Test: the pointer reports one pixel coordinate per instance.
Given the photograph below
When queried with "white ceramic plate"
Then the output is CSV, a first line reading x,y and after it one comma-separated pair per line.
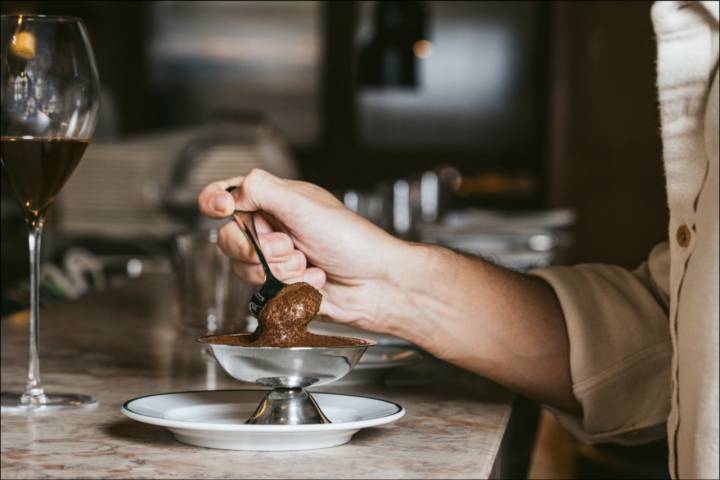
x,y
215,419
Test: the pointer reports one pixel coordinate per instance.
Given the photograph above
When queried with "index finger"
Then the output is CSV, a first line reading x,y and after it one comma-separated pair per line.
x,y
215,202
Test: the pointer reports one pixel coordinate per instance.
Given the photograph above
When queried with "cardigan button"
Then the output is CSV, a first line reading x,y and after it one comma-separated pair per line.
x,y
683,236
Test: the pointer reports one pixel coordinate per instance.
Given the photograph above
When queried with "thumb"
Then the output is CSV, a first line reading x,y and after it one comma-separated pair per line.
x,y
259,190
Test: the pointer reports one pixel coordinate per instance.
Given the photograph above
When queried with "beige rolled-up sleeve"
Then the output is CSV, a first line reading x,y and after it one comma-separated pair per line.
x,y
620,348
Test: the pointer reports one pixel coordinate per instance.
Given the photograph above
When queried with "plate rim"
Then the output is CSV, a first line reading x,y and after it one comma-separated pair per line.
x,y
252,428
417,356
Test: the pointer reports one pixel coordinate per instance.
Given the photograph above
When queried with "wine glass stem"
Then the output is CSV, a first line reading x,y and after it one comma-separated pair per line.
x,y
33,390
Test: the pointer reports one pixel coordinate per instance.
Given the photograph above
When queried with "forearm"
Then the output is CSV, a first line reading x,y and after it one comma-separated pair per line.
x,y
501,324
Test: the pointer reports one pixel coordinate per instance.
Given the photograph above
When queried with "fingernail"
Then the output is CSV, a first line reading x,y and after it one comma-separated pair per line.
x,y
219,204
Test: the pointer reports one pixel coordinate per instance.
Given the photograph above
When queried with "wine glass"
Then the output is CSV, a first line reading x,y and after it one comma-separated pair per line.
x,y
50,100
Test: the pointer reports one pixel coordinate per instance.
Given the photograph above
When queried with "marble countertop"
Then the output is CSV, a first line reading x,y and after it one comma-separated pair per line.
x,y
122,344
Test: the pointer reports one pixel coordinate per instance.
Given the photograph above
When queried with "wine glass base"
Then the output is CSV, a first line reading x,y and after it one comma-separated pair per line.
x,y
12,402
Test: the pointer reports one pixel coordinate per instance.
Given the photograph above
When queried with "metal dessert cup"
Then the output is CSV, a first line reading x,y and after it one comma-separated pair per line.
x,y
287,371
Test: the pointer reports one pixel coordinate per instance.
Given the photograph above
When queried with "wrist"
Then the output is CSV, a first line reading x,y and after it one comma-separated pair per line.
x,y
413,305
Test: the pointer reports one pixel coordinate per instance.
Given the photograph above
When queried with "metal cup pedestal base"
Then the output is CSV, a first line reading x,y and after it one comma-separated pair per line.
x,y
288,371
288,406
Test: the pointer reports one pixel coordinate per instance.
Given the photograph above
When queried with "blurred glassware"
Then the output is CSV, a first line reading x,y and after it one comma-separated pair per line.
x,y
422,199
376,206
403,205
210,299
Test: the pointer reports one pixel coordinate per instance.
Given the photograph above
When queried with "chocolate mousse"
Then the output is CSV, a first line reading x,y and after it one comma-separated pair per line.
x,y
284,320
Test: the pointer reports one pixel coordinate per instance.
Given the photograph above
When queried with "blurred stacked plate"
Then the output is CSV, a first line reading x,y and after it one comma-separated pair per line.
x,y
326,327
517,240
389,353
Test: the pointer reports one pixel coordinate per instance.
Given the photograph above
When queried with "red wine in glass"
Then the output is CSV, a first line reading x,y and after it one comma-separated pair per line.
x,y
37,168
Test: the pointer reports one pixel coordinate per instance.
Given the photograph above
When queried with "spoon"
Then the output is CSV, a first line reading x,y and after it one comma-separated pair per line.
x,y
272,285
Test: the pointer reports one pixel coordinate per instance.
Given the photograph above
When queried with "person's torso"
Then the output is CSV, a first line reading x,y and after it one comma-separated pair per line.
x,y
687,63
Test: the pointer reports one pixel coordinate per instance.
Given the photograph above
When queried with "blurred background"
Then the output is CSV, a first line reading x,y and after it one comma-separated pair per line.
x,y
525,132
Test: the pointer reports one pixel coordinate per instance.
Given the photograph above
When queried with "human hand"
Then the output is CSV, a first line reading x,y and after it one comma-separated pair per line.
x,y
306,234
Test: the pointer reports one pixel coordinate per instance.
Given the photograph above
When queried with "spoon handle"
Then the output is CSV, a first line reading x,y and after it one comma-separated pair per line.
x,y
272,285
258,251
243,219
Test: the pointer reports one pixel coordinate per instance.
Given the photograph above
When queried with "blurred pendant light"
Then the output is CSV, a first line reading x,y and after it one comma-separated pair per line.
x,y
399,39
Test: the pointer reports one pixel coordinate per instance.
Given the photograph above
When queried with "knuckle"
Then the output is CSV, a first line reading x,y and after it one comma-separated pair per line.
x,y
248,273
227,239
300,260
239,269
230,243
256,179
285,244
255,176
223,235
